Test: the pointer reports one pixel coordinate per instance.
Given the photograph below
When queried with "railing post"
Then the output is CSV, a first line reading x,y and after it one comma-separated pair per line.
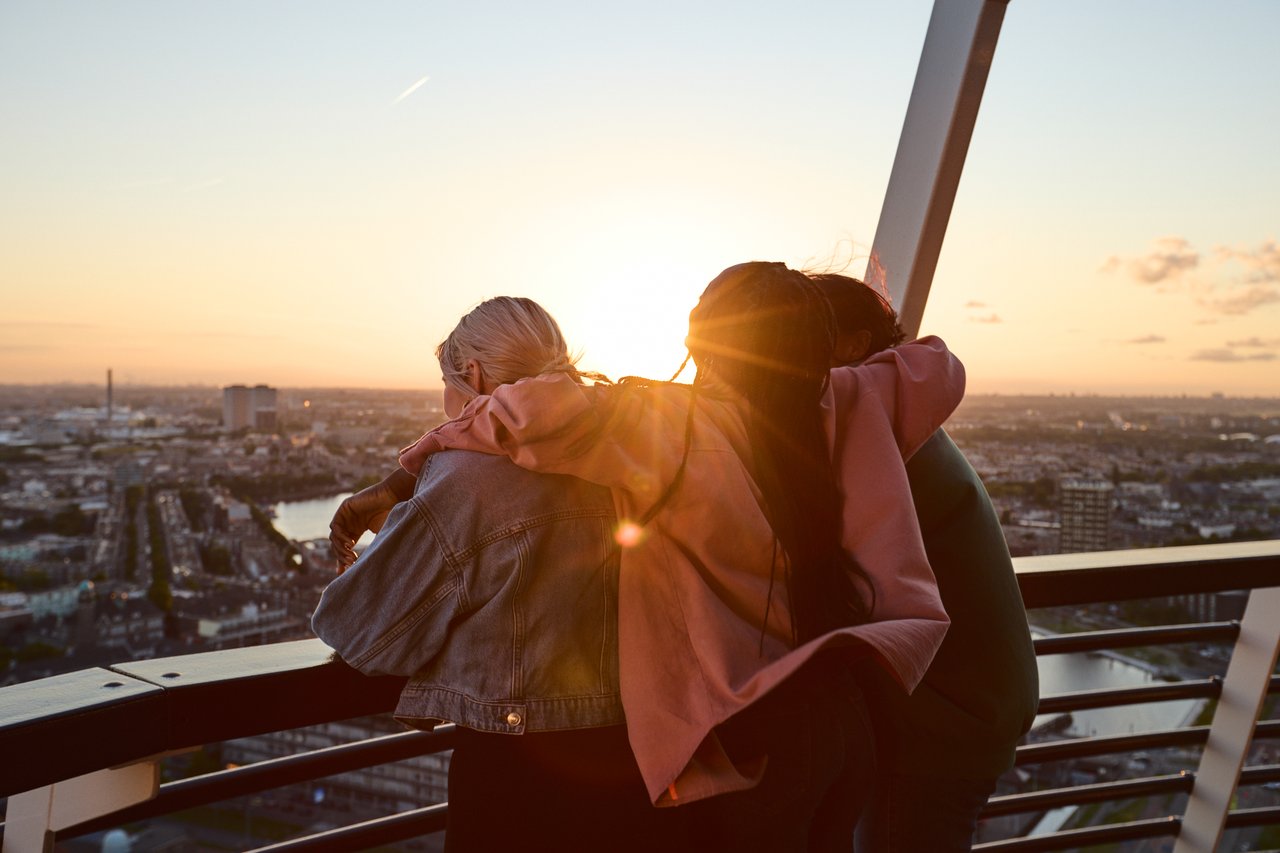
x,y
950,79
1243,690
33,817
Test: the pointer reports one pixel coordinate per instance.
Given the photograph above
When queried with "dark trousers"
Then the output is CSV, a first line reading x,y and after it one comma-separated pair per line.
x,y
816,732
914,813
566,791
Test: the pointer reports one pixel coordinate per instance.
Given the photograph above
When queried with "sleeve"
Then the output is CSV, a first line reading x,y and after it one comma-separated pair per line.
x,y
622,438
919,384
390,612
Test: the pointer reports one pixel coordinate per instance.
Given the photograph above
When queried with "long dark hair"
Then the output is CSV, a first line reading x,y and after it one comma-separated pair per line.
x,y
768,332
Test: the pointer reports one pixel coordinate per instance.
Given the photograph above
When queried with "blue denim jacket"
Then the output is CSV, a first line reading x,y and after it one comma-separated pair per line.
x,y
495,590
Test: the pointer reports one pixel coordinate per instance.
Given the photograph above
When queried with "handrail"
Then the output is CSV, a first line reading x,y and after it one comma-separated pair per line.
x,y
52,729
275,773
1122,638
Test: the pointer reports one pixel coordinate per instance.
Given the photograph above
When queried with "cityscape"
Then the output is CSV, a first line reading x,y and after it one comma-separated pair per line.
x,y
144,522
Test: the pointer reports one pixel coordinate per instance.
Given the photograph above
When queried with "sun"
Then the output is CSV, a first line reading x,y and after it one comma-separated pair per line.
x,y
636,271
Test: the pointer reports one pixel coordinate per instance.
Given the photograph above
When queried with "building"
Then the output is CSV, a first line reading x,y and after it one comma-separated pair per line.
x,y
1086,515
252,408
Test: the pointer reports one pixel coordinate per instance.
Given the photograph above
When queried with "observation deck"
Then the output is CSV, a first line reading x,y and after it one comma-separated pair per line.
x,y
82,751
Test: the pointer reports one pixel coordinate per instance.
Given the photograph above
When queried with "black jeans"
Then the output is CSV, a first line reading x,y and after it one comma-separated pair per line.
x,y
816,732
566,791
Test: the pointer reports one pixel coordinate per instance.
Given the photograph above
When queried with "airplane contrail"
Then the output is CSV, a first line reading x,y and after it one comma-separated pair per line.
x,y
407,92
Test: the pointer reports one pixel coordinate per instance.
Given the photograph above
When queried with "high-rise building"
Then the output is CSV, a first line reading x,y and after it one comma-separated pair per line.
x,y
249,407
1086,515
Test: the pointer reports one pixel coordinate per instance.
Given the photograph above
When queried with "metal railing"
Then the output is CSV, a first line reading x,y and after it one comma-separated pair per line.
x,y
81,751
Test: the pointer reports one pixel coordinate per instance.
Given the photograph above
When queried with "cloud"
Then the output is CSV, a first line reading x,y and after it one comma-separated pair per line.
x,y
1145,339
1168,259
990,318
1242,303
1228,355
975,305
407,92
1256,342
1233,281
1262,264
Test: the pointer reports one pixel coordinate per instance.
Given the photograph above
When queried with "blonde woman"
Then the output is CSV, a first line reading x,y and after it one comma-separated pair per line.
x,y
495,590
501,340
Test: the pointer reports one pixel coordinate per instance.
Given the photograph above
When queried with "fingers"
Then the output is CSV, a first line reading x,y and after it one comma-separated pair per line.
x,y
343,547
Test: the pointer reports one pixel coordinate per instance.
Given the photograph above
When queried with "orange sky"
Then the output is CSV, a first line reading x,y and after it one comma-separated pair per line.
x,y
267,196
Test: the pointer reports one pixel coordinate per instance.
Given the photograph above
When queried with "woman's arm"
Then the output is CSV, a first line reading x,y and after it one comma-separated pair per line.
x,y
390,613
623,438
918,384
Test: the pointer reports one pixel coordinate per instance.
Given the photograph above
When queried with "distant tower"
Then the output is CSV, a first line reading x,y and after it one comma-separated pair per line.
x,y
108,396
249,407
1086,515
263,407
235,407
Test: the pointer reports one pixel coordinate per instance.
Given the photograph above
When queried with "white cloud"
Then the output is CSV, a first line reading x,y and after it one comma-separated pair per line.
x,y
1262,264
1229,355
1168,259
1256,342
1242,303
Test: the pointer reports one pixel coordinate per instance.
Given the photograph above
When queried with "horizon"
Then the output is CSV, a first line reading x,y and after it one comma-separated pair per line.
x,y
214,388
200,195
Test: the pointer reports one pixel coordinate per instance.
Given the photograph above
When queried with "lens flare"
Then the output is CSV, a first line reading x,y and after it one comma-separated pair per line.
x,y
629,534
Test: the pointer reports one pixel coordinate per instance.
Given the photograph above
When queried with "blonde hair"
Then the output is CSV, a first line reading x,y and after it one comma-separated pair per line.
x,y
511,337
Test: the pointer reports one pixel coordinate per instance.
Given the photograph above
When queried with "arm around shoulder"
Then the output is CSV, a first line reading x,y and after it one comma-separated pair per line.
x,y
919,384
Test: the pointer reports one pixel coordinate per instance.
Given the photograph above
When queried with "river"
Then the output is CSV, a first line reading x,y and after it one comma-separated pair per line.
x,y
302,520
309,519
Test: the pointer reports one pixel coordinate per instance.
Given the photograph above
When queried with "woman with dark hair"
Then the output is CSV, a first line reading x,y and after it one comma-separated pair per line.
x,y
877,327
767,542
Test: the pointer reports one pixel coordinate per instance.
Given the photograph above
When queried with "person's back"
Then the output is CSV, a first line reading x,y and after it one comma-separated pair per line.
x,y
942,748
495,590
485,539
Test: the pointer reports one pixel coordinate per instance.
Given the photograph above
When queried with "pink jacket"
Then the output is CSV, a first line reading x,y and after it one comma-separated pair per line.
x,y
693,589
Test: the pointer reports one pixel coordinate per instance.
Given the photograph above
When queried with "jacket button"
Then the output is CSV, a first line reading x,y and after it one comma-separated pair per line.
x,y
513,719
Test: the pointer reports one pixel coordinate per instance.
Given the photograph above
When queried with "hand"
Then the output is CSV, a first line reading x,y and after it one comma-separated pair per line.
x,y
367,509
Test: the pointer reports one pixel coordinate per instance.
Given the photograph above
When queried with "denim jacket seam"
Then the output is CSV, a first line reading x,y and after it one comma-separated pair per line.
x,y
517,613
452,585
395,631
525,525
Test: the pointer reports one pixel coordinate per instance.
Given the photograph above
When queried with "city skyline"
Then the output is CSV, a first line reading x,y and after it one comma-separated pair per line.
x,y
307,196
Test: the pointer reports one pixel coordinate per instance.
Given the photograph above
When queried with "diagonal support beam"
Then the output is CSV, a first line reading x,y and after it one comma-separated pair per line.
x,y
1243,690
950,79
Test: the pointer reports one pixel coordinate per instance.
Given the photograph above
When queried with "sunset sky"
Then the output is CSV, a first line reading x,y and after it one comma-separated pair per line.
x,y
311,193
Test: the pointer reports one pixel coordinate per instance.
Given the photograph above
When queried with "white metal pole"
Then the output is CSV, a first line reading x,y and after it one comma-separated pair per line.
x,y
952,74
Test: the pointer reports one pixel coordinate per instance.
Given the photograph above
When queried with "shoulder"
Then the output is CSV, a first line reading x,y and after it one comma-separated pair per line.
x,y
464,482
